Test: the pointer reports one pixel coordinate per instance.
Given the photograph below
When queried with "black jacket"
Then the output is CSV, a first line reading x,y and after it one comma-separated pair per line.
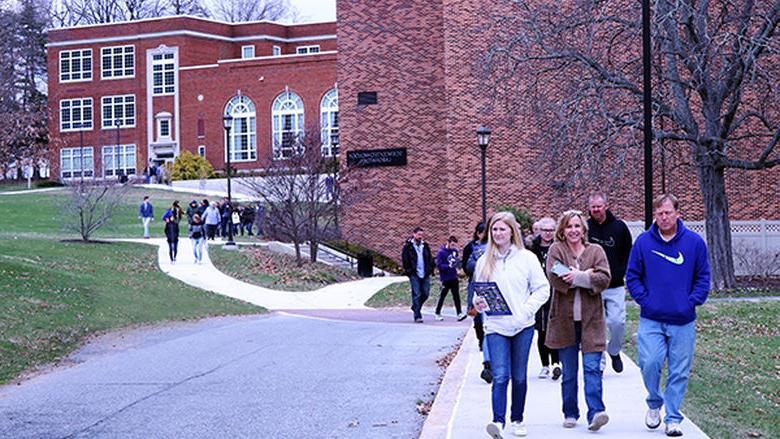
x,y
409,259
540,323
613,236
172,231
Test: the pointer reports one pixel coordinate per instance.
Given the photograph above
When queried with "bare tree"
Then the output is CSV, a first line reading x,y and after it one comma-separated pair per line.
x,y
91,205
235,11
715,99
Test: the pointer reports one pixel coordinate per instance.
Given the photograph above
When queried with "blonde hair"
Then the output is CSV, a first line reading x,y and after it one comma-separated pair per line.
x,y
563,221
516,239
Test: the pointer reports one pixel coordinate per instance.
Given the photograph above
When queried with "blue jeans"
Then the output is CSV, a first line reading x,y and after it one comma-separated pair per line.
x,y
658,342
509,359
421,289
197,248
592,377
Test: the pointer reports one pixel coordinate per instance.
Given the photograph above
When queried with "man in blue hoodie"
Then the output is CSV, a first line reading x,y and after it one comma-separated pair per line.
x,y
669,276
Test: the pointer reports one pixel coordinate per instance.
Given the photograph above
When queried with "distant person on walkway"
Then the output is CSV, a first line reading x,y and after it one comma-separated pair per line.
x,y
191,211
669,276
247,214
522,283
447,261
212,219
204,204
579,272
540,246
418,265
471,253
176,211
197,236
146,214
172,235
613,236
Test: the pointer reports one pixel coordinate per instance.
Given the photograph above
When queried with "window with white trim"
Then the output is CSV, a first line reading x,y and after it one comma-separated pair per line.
x,y
302,50
118,109
329,122
242,143
247,52
277,51
118,158
76,114
76,65
163,74
72,163
164,131
117,62
287,124
202,150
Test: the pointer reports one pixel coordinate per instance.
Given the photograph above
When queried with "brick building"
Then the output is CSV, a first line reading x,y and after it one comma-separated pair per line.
x,y
138,93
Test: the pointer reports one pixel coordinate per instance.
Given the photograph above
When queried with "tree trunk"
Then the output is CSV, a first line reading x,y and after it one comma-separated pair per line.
x,y
314,247
718,226
298,259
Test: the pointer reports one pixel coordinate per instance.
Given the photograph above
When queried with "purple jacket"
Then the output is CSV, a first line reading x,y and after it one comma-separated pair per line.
x,y
447,261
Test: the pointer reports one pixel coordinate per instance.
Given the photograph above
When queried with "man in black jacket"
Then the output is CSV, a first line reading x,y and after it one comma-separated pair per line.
x,y
418,265
613,236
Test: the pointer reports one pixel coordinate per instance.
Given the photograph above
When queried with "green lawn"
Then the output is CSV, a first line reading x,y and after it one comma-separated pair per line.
x,y
734,388
267,269
400,295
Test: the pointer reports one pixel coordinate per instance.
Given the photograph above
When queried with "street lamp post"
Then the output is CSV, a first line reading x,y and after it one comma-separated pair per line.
x,y
648,117
119,171
81,152
483,137
227,123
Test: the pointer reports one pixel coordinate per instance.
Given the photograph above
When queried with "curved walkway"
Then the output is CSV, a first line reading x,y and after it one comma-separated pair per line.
x,y
347,295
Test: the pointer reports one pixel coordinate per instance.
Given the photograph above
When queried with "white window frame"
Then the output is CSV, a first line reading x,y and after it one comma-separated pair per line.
x,y
303,50
163,124
73,156
121,54
122,104
84,74
166,61
75,106
276,51
243,131
251,49
120,157
202,150
287,124
329,120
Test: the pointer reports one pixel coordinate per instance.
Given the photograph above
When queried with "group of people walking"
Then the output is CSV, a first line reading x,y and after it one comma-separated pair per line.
x,y
570,285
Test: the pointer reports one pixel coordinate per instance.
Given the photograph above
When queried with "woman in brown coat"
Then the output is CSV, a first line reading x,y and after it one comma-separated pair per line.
x,y
578,272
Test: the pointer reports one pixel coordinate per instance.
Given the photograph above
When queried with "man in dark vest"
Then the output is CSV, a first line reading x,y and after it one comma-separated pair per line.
x,y
418,265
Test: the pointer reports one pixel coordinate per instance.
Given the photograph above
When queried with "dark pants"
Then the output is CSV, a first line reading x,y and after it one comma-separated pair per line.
x,y
546,354
447,286
173,248
248,227
421,289
211,230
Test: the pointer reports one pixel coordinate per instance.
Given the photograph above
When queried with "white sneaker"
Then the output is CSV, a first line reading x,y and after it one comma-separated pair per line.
x,y
495,430
600,419
544,373
653,418
518,429
439,317
462,316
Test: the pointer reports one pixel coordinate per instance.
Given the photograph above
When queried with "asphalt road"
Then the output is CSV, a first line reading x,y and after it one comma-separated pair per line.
x,y
277,376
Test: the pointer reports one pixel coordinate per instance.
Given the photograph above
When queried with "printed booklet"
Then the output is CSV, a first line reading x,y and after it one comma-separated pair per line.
x,y
496,304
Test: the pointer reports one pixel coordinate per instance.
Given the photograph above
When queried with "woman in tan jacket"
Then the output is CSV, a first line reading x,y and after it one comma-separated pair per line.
x,y
578,272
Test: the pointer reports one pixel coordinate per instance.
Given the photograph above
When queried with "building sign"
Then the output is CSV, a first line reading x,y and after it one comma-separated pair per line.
x,y
376,157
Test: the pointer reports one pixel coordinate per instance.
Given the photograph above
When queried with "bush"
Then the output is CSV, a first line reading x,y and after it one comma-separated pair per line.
x,y
191,167
42,184
380,261
522,215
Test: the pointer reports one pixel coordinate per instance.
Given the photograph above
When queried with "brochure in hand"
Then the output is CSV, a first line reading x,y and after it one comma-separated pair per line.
x,y
496,303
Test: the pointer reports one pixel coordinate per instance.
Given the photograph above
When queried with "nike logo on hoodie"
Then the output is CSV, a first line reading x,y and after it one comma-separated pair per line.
x,y
676,261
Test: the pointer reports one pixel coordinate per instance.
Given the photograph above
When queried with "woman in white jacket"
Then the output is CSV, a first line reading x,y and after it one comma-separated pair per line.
x,y
519,277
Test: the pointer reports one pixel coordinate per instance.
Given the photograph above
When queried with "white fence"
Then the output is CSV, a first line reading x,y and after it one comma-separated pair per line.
x,y
756,244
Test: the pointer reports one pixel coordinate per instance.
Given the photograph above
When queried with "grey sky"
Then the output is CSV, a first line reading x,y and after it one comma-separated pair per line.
x,y
316,10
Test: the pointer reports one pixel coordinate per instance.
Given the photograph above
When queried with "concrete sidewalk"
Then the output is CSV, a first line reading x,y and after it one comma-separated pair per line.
x,y
462,408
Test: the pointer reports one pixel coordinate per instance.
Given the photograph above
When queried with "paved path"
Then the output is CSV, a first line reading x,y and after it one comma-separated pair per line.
x,y
462,408
348,295
32,191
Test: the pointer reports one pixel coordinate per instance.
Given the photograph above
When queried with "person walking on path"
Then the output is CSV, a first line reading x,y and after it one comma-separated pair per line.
x,y
212,218
447,260
191,211
197,236
146,214
418,265
540,246
579,272
471,253
520,279
172,235
669,276
613,236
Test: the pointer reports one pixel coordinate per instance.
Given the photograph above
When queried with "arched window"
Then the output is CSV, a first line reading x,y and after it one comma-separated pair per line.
x,y
287,123
329,122
243,134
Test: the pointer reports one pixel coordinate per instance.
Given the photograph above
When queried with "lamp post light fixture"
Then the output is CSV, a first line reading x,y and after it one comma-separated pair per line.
x,y
483,138
227,123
